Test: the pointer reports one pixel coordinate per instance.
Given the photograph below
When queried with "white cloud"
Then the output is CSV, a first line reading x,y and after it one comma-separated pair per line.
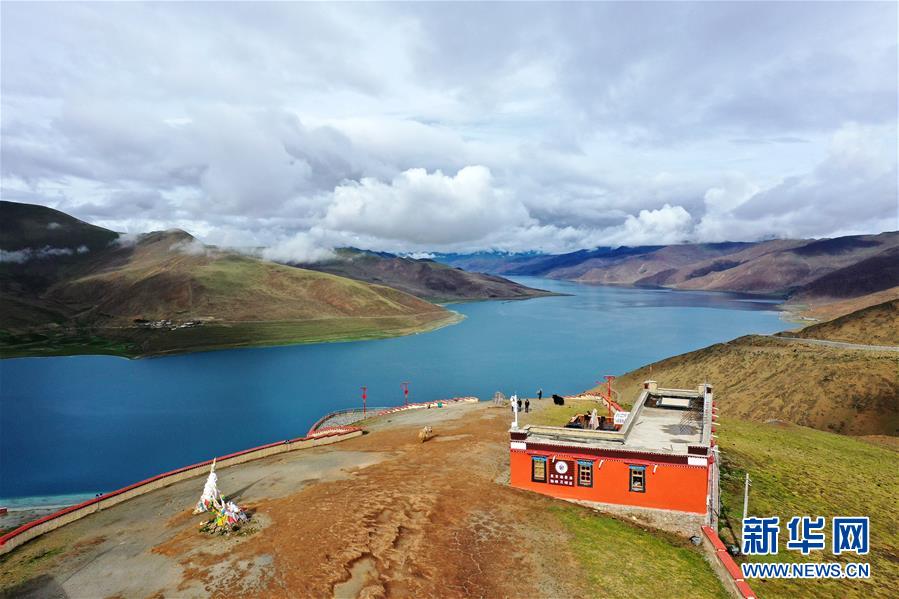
x,y
15,256
420,127
301,248
25,254
190,247
668,224
426,208
420,255
854,189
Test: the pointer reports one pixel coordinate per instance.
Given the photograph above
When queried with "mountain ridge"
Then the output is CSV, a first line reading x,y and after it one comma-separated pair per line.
x,y
804,269
424,278
165,292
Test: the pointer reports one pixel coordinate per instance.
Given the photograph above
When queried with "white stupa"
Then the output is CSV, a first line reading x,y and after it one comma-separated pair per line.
x,y
594,420
211,497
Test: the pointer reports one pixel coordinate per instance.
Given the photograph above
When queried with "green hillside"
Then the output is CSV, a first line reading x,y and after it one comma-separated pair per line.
x,y
166,292
797,471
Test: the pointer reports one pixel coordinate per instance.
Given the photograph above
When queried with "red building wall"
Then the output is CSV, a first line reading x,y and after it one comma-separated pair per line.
x,y
668,486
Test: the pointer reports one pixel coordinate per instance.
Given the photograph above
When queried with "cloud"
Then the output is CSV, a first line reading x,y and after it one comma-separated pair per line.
x,y
301,248
854,189
442,127
190,247
421,255
667,225
25,254
425,208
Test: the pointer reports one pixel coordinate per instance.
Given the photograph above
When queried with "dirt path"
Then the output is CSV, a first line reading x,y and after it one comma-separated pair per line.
x,y
839,344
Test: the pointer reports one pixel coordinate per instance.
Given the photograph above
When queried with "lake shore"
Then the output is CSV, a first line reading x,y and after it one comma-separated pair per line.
x,y
413,519
136,343
103,412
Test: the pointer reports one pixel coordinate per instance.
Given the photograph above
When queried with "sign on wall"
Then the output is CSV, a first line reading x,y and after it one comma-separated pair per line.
x,y
562,473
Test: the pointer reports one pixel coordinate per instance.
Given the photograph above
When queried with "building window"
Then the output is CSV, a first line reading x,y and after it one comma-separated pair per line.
x,y
584,473
538,470
638,479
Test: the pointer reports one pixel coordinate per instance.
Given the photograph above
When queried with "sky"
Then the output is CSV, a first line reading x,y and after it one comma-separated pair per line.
x,y
434,127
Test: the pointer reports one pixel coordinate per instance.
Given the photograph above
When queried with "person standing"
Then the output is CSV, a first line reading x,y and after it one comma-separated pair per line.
x,y
519,404
540,393
527,404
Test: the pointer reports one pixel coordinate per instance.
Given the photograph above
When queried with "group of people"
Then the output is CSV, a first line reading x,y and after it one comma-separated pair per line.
x,y
518,404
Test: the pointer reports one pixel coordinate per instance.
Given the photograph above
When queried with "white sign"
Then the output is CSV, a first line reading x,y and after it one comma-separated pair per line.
x,y
621,417
520,445
697,461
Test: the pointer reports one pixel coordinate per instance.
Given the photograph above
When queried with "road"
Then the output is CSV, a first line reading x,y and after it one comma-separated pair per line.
x,y
840,344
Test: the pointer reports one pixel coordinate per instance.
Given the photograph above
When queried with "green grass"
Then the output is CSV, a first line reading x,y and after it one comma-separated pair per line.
x,y
62,343
621,560
133,342
797,471
545,413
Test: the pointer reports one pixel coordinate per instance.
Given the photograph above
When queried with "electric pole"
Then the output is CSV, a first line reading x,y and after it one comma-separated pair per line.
x,y
746,496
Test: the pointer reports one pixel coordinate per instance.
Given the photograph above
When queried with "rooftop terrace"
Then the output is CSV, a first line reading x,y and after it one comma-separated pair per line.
x,y
661,421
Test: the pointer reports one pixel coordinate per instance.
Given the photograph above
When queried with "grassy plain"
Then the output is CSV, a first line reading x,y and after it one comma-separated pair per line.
x,y
652,563
132,342
798,471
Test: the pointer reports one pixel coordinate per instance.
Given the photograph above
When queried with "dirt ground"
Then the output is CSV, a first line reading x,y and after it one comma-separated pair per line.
x,y
376,516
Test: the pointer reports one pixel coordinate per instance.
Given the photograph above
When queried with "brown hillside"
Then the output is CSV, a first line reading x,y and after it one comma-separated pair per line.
x,y
169,274
651,268
874,274
167,292
842,267
423,278
874,325
821,309
787,268
763,378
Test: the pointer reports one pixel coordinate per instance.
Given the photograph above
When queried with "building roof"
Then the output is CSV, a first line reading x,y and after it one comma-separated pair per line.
x,y
669,421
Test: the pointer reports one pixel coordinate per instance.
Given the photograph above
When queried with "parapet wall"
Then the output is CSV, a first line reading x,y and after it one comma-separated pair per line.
x,y
725,566
321,423
33,529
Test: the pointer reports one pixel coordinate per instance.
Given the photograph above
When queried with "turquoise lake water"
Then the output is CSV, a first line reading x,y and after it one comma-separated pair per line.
x,y
89,424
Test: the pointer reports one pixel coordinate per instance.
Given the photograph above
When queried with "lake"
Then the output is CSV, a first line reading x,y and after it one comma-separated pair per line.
x,y
89,424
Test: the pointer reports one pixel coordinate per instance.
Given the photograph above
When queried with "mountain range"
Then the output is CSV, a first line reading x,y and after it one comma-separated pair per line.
x,y
795,269
423,278
67,286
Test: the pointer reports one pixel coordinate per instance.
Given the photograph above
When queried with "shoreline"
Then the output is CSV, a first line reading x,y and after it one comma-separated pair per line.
x,y
453,317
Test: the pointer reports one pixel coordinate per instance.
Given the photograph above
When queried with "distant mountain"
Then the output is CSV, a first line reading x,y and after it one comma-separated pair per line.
x,y
877,273
498,263
843,267
424,278
70,287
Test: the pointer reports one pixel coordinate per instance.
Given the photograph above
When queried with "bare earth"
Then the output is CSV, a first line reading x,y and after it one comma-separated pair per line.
x,y
375,516
345,520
